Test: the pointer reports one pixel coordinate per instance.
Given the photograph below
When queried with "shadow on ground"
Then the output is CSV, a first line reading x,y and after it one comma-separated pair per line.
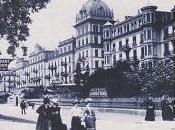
x,y
15,119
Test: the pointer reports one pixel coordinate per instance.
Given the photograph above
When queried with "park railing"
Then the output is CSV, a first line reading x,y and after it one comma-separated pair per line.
x,y
127,103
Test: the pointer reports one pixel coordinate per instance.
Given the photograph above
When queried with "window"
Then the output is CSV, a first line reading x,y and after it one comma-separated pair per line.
x,y
83,54
120,56
120,45
102,63
134,40
148,17
86,40
127,42
154,50
142,52
135,54
127,27
69,59
69,48
149,50
102,53
96,53
86,53
113,46
96,39
146,51
144,33
141,38
107,33
107,47
108,60
69,69
82,42
148,34
61,50
96,64
65,49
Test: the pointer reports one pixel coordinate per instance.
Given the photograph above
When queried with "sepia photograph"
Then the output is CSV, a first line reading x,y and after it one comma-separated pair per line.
x,y
87,65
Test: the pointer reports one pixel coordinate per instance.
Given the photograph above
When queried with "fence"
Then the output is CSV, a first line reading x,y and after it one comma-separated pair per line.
x,y
127,103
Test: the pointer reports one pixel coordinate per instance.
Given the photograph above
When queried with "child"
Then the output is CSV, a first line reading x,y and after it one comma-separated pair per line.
x,y
90,120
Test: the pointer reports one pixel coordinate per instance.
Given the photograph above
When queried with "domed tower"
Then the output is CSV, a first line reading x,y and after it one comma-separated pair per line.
x,y
89,31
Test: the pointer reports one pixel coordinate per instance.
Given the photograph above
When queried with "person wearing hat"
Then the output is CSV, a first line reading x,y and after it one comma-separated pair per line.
x,y
56,121
173,107
167,113
76,114
43,122
150,106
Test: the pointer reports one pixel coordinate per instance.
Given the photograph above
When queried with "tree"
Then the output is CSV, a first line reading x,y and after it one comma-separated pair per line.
x,y
113,80
14,21
154,80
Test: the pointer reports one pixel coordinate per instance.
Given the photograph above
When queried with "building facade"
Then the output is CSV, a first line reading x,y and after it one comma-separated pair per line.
x,y
142,38
100,42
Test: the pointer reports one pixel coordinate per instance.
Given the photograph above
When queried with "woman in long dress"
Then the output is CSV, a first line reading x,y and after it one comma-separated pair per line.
x,y
43,122
76,114
167,113
150,106
56,122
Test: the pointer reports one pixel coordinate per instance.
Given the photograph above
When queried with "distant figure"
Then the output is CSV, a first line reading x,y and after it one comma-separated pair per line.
x,y
76,114
90,120
23,107
173,107
16,101
150,107
167,113
43,122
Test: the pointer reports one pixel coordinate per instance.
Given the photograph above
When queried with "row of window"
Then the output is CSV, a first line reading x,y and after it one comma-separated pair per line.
x,y
94,28
65,49
36,58
127,27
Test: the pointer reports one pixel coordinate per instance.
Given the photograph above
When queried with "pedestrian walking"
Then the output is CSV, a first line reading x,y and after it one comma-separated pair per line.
x,y
150,107
90,120
173,107
76,115
43,122
167,113
56,121
23,107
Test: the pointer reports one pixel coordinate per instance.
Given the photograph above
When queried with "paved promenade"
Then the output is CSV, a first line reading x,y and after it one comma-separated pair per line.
x,y
11,119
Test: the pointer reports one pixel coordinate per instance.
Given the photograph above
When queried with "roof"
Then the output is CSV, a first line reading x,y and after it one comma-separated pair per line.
x,y
96,9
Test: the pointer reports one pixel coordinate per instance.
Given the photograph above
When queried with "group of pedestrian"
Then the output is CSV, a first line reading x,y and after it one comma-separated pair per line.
x,y
82,119
50,118
167,107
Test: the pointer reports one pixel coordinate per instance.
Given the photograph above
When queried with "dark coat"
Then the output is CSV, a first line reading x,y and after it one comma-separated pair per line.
x,y
150,106
76,123
23,105
43,122
56,122
167,113
173,107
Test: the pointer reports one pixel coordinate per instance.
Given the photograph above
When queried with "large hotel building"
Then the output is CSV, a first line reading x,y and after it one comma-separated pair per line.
x,y
101,41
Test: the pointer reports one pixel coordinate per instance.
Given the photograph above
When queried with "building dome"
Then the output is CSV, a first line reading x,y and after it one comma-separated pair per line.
x,y
96,9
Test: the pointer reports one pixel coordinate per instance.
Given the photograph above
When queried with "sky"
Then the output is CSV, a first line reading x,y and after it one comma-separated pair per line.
x,y
55,23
